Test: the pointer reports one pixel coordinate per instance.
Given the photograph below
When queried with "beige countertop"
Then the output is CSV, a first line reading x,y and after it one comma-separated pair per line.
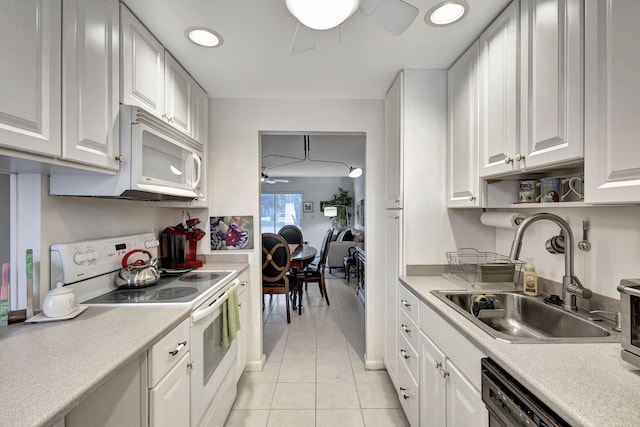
x,y
48,368
586,384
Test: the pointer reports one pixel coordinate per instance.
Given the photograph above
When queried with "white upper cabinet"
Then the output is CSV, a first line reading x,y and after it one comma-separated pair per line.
x,y
153,80
463,184
30,114
393,112
178,88
612,109
90,82
142,66
551,81
498,76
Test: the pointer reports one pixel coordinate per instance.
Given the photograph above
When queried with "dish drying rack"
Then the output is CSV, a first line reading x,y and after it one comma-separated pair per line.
x,y
475,267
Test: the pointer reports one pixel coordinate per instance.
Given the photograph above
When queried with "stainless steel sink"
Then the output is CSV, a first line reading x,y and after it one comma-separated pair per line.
x,y
517,318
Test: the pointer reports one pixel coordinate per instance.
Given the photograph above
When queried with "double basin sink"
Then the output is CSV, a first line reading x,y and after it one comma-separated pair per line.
x,y
517,318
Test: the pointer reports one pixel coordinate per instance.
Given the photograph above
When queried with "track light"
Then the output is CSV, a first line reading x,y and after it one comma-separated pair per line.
x,y
354,172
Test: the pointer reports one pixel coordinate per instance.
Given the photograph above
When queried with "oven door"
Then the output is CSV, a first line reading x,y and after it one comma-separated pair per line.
x,y
211,361
630,310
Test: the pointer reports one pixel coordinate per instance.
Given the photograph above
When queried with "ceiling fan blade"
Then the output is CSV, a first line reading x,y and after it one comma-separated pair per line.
x,y
367,7
395,16
286,181
304,39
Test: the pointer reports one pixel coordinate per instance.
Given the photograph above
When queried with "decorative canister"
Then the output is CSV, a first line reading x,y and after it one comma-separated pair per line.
x,y
550,190
527,191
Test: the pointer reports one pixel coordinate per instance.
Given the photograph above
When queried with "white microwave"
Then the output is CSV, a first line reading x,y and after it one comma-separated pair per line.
x,y
157,163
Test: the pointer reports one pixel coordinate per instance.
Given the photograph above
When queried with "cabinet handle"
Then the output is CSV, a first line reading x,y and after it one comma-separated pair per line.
x,y
164,116
397,201
243,283
405,396
178,348
472,198
438,365
190,365
405,303
406,329
445,374
519,157
170,119
119,158
404,354
239,304
507,160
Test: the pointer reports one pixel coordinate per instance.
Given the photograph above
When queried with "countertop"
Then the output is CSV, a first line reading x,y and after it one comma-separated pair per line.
x,y
586,384
48,368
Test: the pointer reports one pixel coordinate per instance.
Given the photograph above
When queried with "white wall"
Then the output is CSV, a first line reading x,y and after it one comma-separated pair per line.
x,y
5,223
315,224
615,246
234,185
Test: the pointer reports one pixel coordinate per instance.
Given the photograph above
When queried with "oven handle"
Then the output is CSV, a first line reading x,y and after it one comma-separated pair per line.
x,y
628,290
204,312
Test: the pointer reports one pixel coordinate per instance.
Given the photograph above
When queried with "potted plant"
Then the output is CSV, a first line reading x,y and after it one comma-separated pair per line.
x,y
344,202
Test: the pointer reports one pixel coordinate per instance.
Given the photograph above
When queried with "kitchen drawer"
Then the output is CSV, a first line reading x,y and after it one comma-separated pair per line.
x,y
409,329
408,393
168,351
409,303
408,356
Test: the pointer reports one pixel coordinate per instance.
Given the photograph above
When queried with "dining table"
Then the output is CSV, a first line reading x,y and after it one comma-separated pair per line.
x,y
301,256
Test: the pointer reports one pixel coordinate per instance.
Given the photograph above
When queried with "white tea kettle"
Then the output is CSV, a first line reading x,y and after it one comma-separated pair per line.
x,y
59,302
139,273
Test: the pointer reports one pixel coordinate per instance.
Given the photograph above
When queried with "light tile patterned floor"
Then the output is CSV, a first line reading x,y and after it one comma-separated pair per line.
x,y
314,374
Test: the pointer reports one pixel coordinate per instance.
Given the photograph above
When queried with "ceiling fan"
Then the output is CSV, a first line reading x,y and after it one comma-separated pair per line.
x,y
395,16
265,178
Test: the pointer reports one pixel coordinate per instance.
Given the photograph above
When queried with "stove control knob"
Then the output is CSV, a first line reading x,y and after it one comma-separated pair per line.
x,y
150,244
78,258
92,256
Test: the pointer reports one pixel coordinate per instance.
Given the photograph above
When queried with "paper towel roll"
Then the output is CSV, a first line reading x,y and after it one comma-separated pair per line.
x,y
501,219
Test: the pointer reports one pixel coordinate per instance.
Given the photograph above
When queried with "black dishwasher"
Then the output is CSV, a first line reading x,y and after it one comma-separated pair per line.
x,y
510,404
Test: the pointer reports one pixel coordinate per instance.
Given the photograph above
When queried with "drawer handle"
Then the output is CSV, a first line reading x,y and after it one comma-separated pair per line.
x,y
243,283
404,354
438,365
178,348
405,303
405,396
406,329
445,374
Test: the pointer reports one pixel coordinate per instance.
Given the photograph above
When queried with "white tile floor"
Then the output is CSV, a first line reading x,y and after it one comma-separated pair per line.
x,y
314,374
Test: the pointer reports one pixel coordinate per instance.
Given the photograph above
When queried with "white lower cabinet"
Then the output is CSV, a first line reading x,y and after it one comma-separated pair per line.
x,y
242,334
433,398
169,400
464,402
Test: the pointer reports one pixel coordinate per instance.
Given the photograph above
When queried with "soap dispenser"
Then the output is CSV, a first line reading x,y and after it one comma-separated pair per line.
x,y
530,283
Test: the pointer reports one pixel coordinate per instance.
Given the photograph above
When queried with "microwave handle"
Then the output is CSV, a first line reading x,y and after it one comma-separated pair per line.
x,y
198,163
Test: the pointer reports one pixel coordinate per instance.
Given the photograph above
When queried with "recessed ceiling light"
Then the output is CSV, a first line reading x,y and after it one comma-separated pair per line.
x,y
203,36
446,13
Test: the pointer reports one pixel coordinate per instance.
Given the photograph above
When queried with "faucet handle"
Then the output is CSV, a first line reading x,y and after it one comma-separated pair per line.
x,y
617,318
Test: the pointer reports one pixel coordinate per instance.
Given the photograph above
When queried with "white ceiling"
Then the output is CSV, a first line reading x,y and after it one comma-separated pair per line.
x,y
283,156
357,60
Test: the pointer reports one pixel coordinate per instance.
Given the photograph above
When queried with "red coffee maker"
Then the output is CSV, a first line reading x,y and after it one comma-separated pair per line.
x,y
178,245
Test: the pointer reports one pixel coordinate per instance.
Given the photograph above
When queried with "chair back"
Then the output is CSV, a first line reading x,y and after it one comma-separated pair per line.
x,y
291,234
276,257
324,250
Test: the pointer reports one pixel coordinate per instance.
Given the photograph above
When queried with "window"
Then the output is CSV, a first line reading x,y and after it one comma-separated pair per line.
x,y
277,210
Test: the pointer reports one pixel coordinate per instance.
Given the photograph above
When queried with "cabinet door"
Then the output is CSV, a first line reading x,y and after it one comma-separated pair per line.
x,y
552,81
391,275
30,116
464,402
393,105
498,71
178,91
142,66
432,384
463,189
90,81
612,154
200,114
169,400
241,337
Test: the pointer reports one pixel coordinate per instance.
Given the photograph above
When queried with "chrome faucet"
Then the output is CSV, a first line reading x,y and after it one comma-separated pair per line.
x,y
571,286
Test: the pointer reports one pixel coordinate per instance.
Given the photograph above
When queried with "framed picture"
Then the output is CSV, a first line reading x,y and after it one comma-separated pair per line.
x,y
307,207
231,232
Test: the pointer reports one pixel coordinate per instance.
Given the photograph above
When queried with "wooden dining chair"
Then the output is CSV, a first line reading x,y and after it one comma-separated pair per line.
x,y
276,260
316,273
291,234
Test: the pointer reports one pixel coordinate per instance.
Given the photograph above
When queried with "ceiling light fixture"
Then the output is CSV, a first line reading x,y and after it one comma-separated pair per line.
x,y
354,172
446,13
204,37
322,14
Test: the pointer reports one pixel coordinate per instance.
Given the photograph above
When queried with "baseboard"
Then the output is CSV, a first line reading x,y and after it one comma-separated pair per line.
x,y
256,365
374,365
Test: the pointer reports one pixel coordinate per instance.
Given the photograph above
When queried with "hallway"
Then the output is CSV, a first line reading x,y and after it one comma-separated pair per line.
x,y
314,374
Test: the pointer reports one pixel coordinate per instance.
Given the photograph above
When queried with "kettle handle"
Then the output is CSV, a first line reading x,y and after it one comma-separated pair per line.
x,y
138,262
